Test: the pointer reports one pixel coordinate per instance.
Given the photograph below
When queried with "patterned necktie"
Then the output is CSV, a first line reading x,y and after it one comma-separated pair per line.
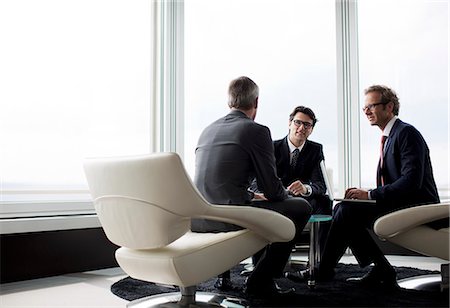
x,y
294,159
383,141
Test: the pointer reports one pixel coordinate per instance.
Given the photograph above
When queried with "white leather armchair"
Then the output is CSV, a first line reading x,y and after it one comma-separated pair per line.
x,y
145,205
408,228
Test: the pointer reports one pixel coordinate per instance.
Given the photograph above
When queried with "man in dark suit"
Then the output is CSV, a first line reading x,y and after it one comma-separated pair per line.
x,y
298,165
298,161
404,179
230,153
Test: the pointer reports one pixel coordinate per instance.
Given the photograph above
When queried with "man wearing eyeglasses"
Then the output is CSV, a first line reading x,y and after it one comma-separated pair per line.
x,y
404,179
298,161
298,166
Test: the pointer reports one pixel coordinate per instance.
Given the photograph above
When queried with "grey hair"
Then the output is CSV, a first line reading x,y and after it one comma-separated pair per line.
x,y
242,93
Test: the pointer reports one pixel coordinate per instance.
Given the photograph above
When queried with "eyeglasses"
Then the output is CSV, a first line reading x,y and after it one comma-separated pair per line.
x,y
371,107
299,123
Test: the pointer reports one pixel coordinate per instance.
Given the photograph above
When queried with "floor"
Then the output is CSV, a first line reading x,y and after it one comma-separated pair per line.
x,y
91,289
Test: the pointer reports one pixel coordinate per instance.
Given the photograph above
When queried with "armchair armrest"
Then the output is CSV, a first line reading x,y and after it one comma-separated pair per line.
x,y
403,220
270,225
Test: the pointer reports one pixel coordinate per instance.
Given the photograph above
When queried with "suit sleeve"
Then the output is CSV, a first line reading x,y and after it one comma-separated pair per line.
x,y
317,181
407,166
263,158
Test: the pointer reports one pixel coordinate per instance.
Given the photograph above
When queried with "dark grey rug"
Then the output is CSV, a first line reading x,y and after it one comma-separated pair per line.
x,y
338,293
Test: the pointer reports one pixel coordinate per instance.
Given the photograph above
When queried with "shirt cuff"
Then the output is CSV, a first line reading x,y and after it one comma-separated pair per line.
x,y
308,191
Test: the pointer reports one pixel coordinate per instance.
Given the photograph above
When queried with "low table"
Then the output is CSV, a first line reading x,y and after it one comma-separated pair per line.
x,y
314,246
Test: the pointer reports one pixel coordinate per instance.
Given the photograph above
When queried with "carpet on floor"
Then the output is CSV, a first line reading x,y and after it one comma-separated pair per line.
x,y
338,293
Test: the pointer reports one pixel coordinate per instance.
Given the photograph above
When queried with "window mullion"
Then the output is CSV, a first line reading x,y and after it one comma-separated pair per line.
x,y
168,83
348,94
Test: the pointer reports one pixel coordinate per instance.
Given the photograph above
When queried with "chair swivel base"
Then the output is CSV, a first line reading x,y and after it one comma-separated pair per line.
x,y
202,299
422,283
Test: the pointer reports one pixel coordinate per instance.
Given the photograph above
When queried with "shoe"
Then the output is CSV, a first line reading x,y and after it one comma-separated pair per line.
x,y
223,284
269,289
298,276
248,269
304,276
384,278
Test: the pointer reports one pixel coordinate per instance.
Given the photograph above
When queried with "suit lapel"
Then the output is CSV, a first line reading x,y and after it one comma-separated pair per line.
x,y
285,154
387,148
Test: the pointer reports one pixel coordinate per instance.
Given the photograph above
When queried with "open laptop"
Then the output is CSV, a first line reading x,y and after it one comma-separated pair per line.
x,y
329,187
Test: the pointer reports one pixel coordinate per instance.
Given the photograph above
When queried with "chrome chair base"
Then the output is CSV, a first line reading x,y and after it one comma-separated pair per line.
x,y
422,283
202,299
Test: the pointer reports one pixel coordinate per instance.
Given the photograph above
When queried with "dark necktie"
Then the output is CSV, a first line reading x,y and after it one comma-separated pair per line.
x,y
294,160
383,141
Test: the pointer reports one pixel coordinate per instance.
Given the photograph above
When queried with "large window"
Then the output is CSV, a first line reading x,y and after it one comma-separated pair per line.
x,y
76,80
74,83
404,44
287,47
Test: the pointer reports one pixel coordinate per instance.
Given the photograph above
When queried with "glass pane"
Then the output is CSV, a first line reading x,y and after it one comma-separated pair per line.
x,y
74,83
287,47
404,45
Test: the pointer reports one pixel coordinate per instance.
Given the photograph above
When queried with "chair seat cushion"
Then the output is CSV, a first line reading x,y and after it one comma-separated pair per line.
x,y
425,240
192,258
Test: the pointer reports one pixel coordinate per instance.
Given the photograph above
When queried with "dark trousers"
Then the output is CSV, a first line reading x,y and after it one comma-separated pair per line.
x,y
273,258
350,228
319,205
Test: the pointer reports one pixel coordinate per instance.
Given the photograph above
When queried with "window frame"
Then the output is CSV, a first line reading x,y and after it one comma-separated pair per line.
x,y
167,107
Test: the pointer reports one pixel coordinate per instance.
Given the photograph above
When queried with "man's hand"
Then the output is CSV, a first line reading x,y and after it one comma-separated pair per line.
x,y
259,196
297,188
356,193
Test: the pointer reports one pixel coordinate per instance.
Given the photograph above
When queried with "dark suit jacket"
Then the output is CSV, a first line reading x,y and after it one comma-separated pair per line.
x,y
230,153
308,166
407,171
307,171
408,181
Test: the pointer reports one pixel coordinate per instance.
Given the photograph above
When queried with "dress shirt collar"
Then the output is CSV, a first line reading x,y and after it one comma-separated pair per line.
x,y
293,147
388,128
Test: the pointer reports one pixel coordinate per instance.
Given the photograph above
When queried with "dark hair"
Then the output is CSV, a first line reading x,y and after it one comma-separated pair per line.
x,y
242,93
387,96
304,110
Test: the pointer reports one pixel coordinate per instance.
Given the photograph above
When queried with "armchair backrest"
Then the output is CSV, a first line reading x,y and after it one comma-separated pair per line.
x,y
143,201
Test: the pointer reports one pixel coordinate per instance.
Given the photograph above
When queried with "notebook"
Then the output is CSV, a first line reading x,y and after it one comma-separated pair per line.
x,y
329,187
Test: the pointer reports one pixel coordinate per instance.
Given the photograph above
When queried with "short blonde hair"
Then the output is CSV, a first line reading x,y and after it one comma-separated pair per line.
x,y
387,96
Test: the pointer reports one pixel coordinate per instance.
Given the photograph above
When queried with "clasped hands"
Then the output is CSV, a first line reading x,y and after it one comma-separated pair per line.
x,y
297,188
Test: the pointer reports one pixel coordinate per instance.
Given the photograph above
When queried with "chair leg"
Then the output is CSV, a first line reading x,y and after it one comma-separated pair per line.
x,y
444,277
187,295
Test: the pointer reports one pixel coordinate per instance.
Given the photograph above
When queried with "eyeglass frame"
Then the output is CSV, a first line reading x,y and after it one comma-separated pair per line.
x,y
371,107
306,125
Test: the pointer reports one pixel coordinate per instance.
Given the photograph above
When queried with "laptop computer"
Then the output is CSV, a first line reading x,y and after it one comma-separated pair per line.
x,y
329,187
